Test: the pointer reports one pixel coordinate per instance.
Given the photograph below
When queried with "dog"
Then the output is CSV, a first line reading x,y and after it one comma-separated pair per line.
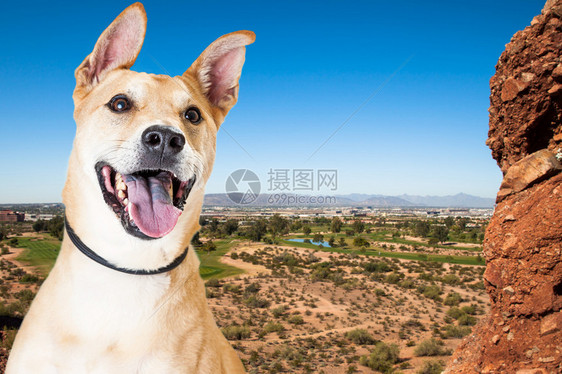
x,y
125,294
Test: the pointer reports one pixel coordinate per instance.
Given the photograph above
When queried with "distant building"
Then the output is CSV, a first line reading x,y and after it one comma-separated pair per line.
x,y
37,216
11,216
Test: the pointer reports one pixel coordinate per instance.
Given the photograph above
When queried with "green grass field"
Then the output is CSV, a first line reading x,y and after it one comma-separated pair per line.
x,y
211,267
41,253
461,260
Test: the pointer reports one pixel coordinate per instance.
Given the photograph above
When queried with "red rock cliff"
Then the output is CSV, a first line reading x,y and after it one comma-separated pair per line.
x,y
523,243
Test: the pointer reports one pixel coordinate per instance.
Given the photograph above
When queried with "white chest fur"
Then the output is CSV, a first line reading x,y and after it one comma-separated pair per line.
x,y
104,322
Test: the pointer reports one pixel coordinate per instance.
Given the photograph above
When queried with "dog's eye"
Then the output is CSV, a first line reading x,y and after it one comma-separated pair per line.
x,y
119,103
193,115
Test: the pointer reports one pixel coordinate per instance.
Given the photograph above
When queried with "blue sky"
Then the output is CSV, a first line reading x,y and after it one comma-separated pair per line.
x,y
312,66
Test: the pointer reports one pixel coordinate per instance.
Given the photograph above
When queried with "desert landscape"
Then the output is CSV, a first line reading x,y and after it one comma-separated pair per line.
x,y
379,298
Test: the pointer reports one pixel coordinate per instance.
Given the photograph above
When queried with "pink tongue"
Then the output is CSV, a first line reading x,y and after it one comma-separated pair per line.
x,y
151,205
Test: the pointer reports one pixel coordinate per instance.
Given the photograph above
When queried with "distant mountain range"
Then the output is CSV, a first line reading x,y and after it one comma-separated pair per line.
x,y
460,200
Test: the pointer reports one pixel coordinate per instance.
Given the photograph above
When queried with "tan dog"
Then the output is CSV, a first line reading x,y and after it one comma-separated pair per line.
x,y
131,299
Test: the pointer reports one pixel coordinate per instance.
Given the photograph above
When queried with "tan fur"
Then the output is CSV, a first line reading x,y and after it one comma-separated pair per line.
x,y
90,319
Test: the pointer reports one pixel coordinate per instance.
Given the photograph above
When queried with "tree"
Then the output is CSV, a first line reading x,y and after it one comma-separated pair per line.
x,y
462,222
358,226
278,225
56,227
318,238
196,241
257,230
39,225
209,246
335,226
332,241
449,222
422,228
358,241
296,225
230,227
213,227
441,233
342,242
306,230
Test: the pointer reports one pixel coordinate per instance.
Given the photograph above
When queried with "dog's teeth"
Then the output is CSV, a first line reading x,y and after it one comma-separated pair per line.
x,y
121,194
118,178
119,183
126,202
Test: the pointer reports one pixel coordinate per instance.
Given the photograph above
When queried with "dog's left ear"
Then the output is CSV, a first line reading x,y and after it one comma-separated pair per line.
x,y
117,48
219,67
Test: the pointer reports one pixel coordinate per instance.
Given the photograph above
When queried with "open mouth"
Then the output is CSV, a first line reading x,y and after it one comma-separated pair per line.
x,y
148,202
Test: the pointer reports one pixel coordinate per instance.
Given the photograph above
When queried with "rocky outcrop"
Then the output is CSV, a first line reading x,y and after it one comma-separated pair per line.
x,y
523,243
526,91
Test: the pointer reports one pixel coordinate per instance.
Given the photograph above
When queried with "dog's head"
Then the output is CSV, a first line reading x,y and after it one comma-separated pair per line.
x,y
145,142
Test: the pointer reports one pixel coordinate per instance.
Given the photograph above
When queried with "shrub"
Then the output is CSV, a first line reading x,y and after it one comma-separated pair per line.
x,y
393,278
256,302
273,327
413,323
431,347
407,283
382,358
466,320
452,331
253,288
431,292
235,332
431,367
453,299
455,313
279,311
29,278
376,267
451,279
295,319
232,288
8,338
213,283
360,336
470,309
359,241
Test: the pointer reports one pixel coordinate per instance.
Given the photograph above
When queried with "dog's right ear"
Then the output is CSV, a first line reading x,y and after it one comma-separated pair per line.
x,y
117,48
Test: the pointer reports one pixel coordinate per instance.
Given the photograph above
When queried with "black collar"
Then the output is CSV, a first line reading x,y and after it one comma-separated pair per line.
x,y
102,261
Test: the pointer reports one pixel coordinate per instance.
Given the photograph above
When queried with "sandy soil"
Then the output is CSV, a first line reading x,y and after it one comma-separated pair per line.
x,y
329,311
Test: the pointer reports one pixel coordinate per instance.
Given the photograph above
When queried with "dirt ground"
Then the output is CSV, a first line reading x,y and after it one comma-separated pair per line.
x,y
329,309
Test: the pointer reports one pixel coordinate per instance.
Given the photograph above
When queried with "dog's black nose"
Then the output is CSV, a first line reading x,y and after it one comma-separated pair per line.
x,y
163,139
